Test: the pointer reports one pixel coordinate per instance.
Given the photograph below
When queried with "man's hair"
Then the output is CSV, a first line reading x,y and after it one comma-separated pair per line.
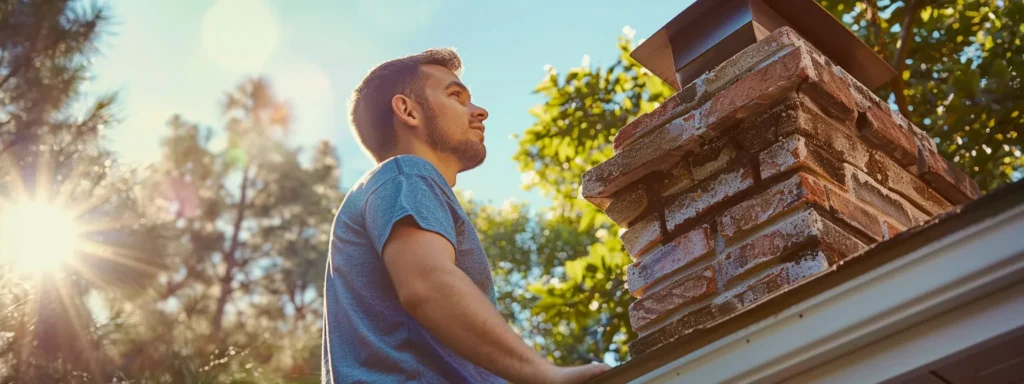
x,y
370,113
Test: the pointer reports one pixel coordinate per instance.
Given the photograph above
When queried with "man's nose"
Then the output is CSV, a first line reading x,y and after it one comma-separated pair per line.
x,y
479,113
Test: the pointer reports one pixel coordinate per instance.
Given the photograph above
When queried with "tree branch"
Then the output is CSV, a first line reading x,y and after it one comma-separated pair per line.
x,y
899,86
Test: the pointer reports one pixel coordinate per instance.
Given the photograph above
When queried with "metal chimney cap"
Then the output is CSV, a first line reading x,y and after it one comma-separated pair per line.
x,y
708,32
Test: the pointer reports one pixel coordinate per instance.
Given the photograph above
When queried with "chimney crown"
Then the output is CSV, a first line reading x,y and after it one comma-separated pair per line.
x,y
710,31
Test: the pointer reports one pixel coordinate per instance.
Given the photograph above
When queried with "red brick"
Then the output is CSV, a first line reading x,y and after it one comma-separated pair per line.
x,y
751,58
807,265
677,178
865,189
668,110
863,97
627,204
641,237
697,93
855,214
706,196
713,157
660,303
830,92
889,174
785,275
760,132
651,153
890,229
800,190
686,323
795,115
806,227
794,152
946,178
919,135
879,128
672,257
758,90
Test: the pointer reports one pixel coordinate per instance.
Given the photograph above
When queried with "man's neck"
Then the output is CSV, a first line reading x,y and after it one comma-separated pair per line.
x,y
446,164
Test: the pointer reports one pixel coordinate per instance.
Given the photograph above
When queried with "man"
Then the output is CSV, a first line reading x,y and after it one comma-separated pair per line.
x,y
408,294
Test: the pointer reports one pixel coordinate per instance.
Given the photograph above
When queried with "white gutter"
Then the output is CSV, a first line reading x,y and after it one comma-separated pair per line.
x,y
965,266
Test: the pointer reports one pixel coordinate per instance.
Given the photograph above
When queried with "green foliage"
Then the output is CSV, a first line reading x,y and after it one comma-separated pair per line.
x,y
960,65
579,306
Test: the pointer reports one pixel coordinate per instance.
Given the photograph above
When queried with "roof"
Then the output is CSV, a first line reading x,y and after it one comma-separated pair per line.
x,y
953,259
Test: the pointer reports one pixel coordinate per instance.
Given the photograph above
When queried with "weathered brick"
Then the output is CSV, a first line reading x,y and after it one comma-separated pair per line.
x,y
806,227
686,323
641,237
697,93
835,139
863,97
919,135
809,264
751,58
945,177
878,127
800,190
761,131
795,115
676,178
665,112
713,158
787,274
660,303
890,228
898,180
855,214
760,89
794,152
708,194
830,92
653,152
676,255
627,204
867,190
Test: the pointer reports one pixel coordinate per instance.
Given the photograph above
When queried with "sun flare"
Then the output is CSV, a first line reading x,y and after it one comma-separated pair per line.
x,y
36,237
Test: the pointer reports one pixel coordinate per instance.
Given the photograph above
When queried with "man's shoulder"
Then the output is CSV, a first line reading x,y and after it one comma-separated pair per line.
x,y
406,167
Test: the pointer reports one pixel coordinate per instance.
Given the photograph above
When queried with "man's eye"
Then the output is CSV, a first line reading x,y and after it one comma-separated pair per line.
x,y
456,93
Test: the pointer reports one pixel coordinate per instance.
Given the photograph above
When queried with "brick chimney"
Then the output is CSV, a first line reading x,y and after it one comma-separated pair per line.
x,y
758,175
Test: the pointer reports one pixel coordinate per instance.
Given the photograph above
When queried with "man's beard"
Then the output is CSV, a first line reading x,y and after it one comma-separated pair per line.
x,y
469,152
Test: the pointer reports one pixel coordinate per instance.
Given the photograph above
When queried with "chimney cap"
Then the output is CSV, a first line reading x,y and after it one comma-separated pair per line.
x,y
708,32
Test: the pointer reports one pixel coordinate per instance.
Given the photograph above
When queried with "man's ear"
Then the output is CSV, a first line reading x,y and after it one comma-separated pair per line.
x,y
406,111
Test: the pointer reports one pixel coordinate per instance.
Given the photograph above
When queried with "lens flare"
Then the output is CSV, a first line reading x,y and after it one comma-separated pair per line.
x,y
37,237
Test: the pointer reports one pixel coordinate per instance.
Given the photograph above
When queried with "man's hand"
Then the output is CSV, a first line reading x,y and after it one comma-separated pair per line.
x,y
441,297
577,374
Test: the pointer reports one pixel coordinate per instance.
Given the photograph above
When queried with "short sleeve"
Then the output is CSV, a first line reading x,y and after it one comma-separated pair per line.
x,y
407,195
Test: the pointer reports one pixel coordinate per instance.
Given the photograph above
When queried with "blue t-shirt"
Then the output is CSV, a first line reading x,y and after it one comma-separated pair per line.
x,y
368,336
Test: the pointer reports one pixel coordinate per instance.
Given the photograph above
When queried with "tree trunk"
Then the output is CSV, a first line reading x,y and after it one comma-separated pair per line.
x,y
899,86
217,322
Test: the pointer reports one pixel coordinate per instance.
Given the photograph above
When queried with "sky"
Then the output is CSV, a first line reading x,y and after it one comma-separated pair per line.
x,y
180,57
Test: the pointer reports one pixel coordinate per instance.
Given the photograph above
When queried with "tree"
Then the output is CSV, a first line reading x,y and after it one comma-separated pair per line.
x,y
959,66
51,158
253,225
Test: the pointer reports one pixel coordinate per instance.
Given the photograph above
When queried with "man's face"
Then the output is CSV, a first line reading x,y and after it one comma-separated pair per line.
x,y
454,125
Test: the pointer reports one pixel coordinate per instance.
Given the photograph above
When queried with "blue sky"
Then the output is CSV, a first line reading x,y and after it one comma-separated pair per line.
x,y
181,56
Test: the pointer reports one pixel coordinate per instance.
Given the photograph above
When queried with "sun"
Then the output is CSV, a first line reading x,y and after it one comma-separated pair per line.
x,y
37,237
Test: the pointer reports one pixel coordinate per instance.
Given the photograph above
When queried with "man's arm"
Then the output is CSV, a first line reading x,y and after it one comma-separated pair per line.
x,y
442,298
